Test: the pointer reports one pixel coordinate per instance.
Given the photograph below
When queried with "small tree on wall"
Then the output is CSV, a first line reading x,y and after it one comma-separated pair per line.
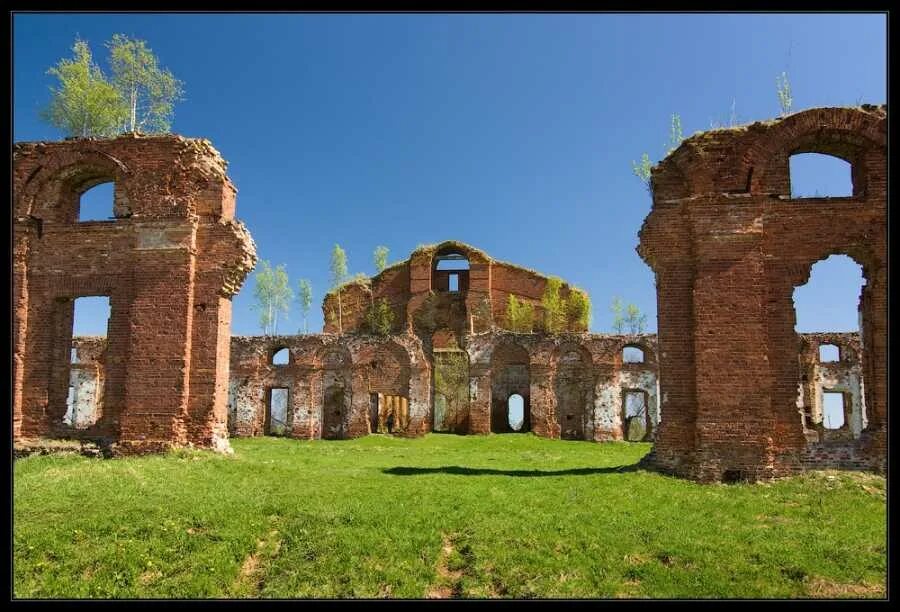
x,y
618,322
380,256
380,317
273,295
338,275
304,297
635,319
85,103
150,91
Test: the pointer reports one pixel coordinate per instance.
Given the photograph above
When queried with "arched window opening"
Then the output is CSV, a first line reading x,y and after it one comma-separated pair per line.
x,y
281,357
632,354
451,272
815,175
515,411
833,410
829,302
829,353
96,204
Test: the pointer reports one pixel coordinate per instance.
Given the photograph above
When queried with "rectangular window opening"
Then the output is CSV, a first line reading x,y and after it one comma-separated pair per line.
x,y
454,283
833,409
278,411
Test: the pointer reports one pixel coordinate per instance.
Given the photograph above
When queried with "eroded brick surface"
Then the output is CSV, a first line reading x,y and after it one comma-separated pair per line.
x,y
169,261
728,246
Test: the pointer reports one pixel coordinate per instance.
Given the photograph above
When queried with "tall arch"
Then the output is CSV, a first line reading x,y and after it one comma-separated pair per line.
x,y
574,388
510,375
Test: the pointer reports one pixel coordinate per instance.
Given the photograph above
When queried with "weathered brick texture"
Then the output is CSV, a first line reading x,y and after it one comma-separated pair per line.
x,y
728,246
170,261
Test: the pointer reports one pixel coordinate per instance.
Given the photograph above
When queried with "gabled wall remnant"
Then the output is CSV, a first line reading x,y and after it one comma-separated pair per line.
x,y
728,246
170,259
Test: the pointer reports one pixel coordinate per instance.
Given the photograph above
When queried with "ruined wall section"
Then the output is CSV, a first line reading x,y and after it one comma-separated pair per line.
x,y
409,288
169,261
842,376
319,366
574,385
728,245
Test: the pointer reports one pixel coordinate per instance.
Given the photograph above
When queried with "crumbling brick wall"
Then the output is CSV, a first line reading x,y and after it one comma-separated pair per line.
x,y
841,376
583,375
169,261
728,246
419,296
327,374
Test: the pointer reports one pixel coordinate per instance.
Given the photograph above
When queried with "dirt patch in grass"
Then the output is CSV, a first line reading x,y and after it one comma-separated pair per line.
x,y
450,568
827,589
250,578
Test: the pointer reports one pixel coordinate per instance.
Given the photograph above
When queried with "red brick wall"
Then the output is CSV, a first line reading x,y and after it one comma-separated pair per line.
x,y
729,246
169,262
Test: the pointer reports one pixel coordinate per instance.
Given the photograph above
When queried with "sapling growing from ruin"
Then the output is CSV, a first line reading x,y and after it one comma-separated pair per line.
x,y
380,256
783,89
338,276
273,295
149,91
304,297
85,103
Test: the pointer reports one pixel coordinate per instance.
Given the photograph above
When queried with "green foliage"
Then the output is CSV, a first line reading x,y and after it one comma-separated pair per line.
x,y
519,315
380,256
675,135
273,295
85,103
149,91
634,320
304,297
380,318
618,323
451,377
182,525
554,306
338,267
643,170
578,310
783,89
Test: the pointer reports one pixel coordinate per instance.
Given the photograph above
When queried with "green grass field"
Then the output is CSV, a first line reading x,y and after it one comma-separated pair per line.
x,y
440,516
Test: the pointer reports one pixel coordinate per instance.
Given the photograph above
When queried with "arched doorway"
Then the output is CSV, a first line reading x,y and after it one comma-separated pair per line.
x,y
510,376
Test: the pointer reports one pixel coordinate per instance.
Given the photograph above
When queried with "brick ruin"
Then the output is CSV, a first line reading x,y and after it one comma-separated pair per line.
x,y
574,386
728,245
727,390
169,261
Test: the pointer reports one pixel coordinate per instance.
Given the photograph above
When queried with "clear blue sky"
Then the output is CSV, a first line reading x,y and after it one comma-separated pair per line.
x,y
514,133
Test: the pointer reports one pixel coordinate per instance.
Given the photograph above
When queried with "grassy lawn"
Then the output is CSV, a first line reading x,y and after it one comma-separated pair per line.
x,y
452,516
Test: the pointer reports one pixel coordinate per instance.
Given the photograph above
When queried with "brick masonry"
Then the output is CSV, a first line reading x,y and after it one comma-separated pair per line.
x,y
728,246
170,260
730,389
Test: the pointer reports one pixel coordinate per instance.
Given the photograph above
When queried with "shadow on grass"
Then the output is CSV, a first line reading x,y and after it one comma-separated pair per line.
x,y
465,471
